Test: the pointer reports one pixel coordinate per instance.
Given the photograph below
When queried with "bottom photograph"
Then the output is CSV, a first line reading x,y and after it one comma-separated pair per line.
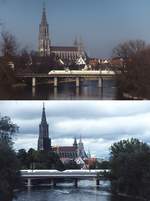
x,y
74,150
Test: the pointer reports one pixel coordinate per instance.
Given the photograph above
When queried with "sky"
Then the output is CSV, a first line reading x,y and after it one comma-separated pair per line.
x,y
102,24
100,123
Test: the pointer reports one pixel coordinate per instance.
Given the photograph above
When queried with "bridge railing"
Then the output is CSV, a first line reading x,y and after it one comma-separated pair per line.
x,y
70,72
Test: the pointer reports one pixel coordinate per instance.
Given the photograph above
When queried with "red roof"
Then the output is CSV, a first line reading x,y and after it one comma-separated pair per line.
x,y
64,149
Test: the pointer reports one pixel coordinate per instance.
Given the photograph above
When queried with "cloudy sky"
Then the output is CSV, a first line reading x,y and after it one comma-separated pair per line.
x,y
102,24
100,123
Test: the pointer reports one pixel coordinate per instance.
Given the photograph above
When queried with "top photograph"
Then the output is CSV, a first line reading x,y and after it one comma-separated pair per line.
x,y
74,50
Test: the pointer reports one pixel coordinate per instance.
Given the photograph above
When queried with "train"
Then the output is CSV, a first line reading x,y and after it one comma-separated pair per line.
x,y
89,72
65,171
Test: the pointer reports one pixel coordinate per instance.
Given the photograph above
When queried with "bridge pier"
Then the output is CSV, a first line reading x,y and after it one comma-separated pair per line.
x,y
33,91
97,182
54,182
55,82
77,91
76,183
55,92
100,82
33,82
29,183
77,81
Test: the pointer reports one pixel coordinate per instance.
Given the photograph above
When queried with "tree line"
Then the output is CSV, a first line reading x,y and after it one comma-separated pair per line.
x,y
129,164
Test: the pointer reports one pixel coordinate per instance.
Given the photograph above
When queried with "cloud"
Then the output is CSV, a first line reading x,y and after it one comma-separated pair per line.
x,y
100,123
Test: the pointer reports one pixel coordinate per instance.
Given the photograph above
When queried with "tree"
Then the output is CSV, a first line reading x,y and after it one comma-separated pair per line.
x,y
49,160
9,166
39,160
8,45
137,74
103,165
22,157
8,48
127,49
134,74
31,158
7,130
71,164
9,172
130,167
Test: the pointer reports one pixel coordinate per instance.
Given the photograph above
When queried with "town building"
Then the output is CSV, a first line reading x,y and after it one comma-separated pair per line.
x,y
65,53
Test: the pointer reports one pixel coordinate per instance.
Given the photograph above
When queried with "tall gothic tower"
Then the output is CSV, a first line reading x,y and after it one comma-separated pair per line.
x,y
44,142
75,143
44,41
81,151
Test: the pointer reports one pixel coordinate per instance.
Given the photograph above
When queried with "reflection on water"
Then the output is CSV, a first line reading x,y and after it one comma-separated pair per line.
x,y
87,90
87,191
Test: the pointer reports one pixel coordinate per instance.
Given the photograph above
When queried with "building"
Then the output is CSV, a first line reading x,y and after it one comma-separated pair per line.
x,y
65,152
73,152
65,53
44,41
44,142
117,61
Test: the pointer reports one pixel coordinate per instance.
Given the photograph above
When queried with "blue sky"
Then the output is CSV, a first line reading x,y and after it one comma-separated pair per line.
x,y
100,123
102,24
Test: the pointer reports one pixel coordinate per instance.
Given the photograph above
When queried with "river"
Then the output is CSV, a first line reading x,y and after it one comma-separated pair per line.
x,y
88,90
86,191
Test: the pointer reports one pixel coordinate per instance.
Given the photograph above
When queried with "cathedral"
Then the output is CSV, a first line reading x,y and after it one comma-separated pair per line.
x,y
64,152
65,53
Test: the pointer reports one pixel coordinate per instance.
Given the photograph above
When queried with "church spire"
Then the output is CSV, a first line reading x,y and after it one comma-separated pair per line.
x,y
43,120
80,139
76,42
44,142
75,142
44,19
44,41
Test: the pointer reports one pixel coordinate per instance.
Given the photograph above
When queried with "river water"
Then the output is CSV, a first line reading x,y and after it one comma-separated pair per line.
x,y
88,90
86,191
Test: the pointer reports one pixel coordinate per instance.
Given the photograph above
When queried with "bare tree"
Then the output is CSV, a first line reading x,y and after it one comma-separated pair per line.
x,y
8,49
8,45
129,48
134,75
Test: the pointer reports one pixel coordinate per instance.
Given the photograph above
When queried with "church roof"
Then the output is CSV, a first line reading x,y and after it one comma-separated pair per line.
x,y
64,48
64,148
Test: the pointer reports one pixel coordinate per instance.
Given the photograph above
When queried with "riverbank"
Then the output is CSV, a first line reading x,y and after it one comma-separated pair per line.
x,y
19,85
132,97
132,197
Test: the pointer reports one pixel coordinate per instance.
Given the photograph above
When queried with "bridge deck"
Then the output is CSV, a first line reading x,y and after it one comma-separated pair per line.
x,y
80,174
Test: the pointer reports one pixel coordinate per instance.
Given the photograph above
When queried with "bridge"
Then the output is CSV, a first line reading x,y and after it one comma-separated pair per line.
x,y
54,175
76,74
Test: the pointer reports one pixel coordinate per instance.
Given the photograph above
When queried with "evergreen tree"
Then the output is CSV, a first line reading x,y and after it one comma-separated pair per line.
x,y
130,168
